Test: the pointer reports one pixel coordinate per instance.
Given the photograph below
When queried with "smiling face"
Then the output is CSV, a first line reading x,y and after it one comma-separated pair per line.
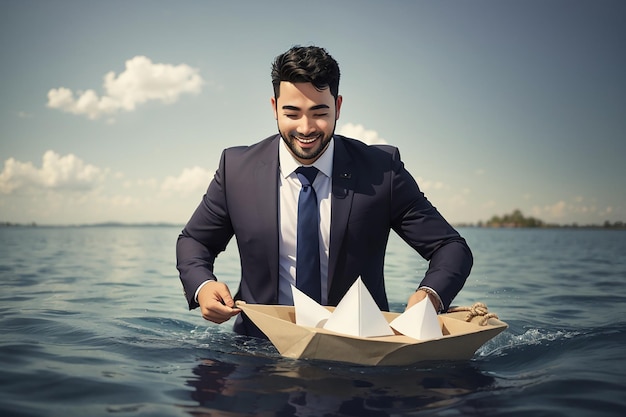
x,y
306,119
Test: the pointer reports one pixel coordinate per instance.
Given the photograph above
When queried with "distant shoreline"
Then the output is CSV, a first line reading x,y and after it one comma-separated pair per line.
x,y
104,224
517,220
606,226
614,226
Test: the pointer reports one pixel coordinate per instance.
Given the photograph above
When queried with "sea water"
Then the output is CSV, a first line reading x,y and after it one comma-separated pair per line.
x,y
93,322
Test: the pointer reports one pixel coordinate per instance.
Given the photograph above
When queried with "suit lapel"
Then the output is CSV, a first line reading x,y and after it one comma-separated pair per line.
x,y
342,193
266,204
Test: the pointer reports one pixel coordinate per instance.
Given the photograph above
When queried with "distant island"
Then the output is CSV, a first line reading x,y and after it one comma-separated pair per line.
x,y
517,220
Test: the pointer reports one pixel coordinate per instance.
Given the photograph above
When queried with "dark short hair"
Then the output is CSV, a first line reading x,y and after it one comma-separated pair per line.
x,y
306,64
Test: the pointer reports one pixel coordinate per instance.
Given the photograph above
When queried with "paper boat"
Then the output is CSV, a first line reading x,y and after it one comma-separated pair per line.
x,y
460,339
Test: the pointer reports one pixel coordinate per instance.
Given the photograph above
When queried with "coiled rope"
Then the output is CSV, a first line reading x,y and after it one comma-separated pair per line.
x,y
476,310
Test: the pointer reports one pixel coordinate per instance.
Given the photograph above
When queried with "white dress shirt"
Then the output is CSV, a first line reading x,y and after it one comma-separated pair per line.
x,y
289,189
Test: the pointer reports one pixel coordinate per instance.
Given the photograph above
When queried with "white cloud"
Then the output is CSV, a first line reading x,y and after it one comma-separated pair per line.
x,y
359,132
142,183
556,210
63,189
428,185
574,211
140,82
190,181
56,172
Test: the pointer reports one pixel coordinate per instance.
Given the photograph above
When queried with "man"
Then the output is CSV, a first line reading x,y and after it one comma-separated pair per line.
x,y
361,193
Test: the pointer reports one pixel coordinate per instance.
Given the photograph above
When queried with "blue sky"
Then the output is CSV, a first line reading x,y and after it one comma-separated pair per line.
x,y
119,110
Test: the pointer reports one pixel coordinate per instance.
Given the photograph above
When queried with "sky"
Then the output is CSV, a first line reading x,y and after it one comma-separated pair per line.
x,y
119,110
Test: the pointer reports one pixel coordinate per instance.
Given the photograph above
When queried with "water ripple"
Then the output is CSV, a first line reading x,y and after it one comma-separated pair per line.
x,y
93,323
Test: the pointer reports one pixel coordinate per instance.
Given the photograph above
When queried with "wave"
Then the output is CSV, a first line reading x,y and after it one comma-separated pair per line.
x,y
508,343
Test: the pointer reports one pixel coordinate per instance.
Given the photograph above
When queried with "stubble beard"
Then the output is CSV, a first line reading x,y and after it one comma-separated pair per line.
x,y
292,144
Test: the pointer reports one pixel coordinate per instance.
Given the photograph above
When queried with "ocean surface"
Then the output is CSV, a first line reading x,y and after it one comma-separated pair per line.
x,y
93,323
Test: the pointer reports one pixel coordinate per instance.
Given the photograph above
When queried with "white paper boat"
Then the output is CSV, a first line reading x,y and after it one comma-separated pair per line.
x,y
460,339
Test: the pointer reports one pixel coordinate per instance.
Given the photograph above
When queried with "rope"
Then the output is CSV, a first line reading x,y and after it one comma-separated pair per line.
x,y
476,310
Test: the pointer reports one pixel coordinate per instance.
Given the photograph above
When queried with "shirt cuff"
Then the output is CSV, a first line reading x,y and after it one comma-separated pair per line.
x,y
195,296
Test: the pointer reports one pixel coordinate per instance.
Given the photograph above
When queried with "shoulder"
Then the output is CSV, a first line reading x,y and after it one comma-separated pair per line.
x,y
258,147
264,150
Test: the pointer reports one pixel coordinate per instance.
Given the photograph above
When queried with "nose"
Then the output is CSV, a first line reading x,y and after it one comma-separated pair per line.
x,y
306,126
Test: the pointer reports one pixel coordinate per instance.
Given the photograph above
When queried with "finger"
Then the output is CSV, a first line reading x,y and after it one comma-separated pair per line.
x,y
227,299
218,313
215,317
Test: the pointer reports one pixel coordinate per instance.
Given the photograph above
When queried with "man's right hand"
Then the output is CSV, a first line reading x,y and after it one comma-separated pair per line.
x,y
216,303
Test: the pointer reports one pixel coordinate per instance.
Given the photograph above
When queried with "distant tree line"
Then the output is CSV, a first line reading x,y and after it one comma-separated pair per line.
x,y
514,219
9,224
517,219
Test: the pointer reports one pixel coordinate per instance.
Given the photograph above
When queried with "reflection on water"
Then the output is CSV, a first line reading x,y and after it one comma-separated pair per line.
x,y
302,388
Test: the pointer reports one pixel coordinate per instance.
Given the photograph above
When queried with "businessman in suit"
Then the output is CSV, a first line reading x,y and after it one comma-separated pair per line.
x,y
360,194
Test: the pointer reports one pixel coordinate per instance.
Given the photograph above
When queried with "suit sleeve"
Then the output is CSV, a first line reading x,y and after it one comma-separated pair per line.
x,y
206,235
419,224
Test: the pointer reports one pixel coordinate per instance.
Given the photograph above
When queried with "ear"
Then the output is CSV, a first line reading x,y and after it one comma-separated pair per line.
x,y
274,108
338,106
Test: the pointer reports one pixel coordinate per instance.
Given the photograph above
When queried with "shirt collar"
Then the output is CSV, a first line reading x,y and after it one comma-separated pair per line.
x,y
288,164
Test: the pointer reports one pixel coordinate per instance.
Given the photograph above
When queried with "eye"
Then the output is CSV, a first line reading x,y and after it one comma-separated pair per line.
x,y
321,115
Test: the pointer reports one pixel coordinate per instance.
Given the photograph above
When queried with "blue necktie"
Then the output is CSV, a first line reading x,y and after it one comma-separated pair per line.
x,y
307,247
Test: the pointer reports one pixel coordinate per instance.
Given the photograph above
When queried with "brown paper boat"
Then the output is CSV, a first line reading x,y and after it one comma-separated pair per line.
x,y
460,339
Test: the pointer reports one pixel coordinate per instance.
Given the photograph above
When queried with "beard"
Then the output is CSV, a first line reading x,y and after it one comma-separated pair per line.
x,y
290,138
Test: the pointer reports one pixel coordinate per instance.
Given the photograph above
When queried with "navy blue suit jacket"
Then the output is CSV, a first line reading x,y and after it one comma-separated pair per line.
x,y
372,193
